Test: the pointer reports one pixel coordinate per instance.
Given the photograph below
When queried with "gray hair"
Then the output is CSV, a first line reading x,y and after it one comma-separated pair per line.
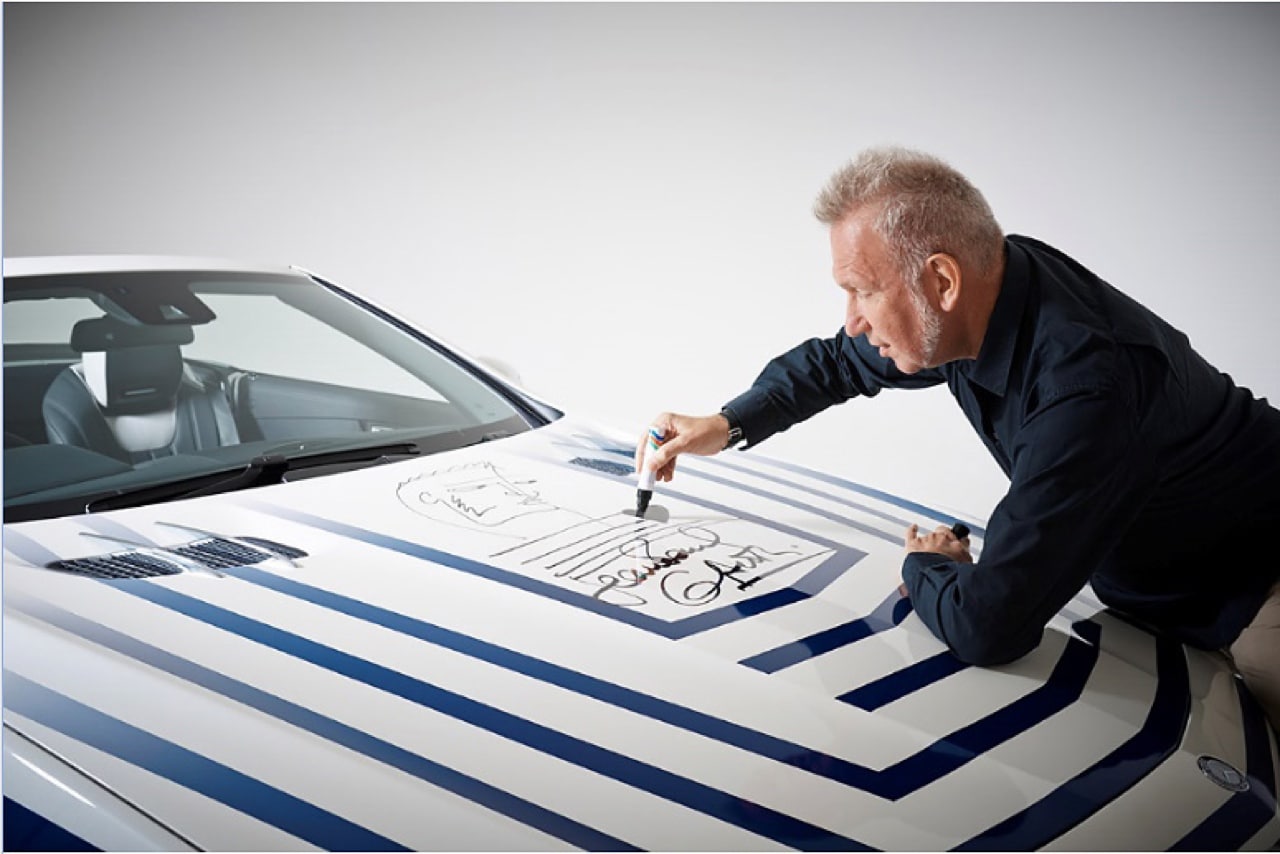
x,y
924,207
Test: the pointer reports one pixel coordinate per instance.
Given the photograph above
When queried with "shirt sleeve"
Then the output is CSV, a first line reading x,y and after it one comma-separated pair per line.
x,y
1080,475
814,375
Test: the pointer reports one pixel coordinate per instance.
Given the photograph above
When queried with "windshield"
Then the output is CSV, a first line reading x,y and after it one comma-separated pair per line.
x,y
119,382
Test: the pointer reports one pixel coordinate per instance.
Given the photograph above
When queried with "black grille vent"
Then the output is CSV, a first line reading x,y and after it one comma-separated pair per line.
x,y
124,565
220,554
212,552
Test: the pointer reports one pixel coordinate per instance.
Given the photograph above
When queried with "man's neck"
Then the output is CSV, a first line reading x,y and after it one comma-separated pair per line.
x,y
980,305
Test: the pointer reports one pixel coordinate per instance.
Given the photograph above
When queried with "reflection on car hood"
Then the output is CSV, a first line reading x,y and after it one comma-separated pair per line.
x,y
485,649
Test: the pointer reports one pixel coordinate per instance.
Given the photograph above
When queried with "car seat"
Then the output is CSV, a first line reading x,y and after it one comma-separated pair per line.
x,y
132,397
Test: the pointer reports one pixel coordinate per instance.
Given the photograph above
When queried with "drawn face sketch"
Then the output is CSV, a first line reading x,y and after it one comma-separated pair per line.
x,y
473,494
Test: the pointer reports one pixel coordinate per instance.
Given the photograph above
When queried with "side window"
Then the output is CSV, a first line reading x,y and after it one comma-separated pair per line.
x,y
261,333
45,321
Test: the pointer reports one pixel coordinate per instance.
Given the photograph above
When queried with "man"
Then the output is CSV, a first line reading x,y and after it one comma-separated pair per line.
x,y
1133,463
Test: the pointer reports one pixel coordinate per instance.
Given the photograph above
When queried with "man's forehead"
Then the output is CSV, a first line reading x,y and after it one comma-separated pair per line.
x,y
856,249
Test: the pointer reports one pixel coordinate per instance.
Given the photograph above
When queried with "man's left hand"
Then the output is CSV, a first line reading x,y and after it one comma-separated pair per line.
x,y
941,541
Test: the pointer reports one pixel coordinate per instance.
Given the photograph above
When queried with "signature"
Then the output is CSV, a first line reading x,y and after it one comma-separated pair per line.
x,y
694,564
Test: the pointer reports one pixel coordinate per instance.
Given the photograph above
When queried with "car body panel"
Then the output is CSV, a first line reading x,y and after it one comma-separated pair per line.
x,y
458,641
484,649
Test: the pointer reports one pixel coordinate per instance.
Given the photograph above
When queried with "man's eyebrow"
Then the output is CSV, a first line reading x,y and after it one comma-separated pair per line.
x,y
850,280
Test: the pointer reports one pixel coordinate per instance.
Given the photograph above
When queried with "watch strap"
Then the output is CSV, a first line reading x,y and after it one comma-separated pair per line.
x,y
735,428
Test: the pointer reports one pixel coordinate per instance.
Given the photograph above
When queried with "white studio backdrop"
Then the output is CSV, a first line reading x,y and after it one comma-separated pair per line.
x,y
616,198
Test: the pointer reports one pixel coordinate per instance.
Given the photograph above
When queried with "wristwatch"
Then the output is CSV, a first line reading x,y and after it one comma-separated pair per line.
x,y
735,428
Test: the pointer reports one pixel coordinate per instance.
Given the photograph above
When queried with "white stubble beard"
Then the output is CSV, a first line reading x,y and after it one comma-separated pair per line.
x,y
930,321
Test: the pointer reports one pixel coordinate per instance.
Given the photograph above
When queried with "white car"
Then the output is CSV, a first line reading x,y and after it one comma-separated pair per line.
x,y
282,572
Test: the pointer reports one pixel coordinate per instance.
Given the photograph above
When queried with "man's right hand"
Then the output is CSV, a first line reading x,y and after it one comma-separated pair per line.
x,y
703,435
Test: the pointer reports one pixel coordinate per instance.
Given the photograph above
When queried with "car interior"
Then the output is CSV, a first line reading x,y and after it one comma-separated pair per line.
x,y
117,401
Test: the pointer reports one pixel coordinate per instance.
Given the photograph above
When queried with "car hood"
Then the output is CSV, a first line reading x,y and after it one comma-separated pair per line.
x,y
485,649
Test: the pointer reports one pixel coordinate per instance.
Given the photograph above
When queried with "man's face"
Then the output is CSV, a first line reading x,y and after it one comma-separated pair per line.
x,y
894,317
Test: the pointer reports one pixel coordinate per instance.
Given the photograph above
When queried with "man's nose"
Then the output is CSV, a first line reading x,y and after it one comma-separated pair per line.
x,y
854,323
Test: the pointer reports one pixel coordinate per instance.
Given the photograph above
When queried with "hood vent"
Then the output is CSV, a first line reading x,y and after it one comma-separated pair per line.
x,y
220,553
209,553
122,565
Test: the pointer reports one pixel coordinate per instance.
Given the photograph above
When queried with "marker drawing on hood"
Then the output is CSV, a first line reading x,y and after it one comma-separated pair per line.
x,y
482,496
663,567
686,563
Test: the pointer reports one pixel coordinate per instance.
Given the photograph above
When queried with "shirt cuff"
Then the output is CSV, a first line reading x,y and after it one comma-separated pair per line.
x,y
755,416
915,564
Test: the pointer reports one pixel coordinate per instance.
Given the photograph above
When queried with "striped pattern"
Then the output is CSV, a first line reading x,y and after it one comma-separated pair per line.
x,y
786,723
656,439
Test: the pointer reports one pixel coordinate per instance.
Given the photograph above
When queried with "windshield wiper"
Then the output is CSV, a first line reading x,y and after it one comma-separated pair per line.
x,y
262,470
489,437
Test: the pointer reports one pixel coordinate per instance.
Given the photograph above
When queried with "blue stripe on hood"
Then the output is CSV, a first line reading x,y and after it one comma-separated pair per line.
x,y
188,768
633,772
450,780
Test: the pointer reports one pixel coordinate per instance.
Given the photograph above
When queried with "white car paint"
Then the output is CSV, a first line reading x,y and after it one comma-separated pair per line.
x,y
482,650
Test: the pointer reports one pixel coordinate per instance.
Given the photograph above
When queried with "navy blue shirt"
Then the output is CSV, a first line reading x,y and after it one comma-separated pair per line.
x,y
1133,463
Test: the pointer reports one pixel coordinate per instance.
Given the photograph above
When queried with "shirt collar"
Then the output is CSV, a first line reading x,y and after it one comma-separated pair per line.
x,y
995,358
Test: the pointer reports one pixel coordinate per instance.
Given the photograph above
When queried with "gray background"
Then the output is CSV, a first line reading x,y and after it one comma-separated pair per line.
x,y
616,197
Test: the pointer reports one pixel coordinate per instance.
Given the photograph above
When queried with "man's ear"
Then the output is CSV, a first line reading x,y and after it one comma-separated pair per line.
x,y
945,279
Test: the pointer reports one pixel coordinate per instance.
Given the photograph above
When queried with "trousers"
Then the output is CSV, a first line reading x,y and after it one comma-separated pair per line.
x,y
1256,655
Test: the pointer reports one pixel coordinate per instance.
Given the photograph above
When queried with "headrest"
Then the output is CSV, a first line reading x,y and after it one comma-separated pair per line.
x,y
110,333
134,381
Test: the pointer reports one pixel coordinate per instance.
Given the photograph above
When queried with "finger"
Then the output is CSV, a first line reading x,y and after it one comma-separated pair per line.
x,y
684,435
913,533
663,457
665,424
645,454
